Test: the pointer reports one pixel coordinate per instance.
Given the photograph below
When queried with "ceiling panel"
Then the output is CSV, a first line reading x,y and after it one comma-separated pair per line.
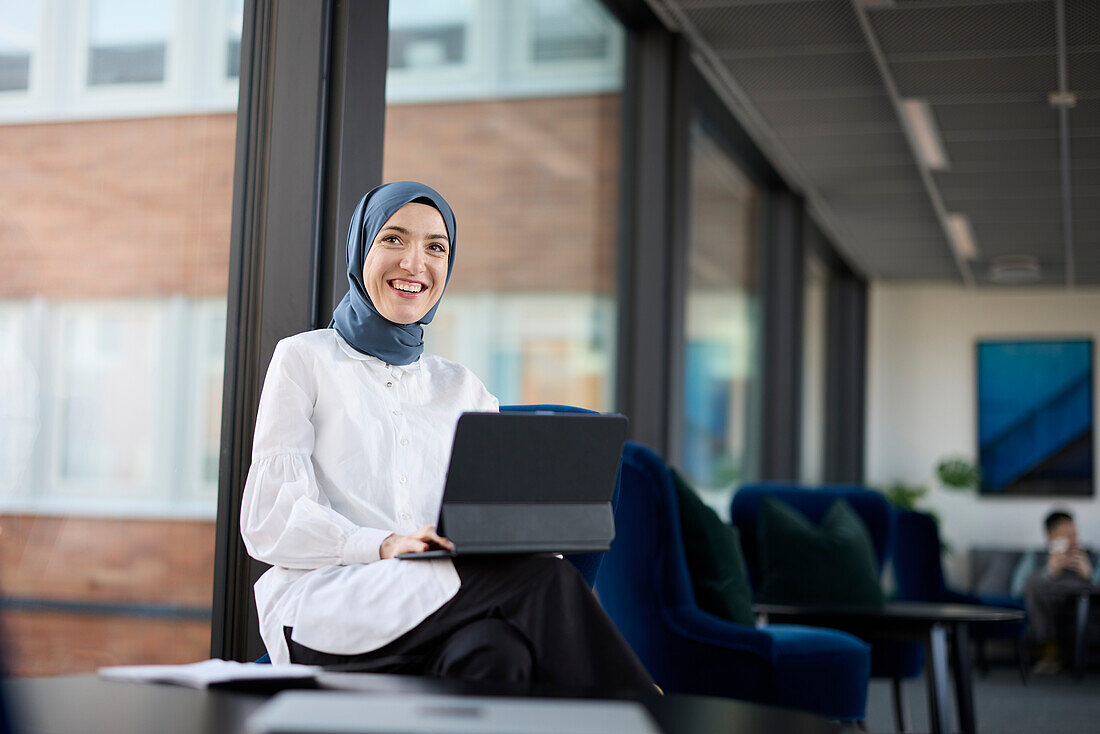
x,y
826,114
981,27
1033,75
990,118
841,72
821,85
1082,23
777,25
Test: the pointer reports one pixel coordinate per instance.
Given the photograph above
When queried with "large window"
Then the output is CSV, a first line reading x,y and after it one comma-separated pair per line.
x,y
721,331
530,167
18,43
128,41
115,243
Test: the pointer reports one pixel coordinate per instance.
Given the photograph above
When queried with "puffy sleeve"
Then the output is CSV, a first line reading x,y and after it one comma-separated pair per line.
x,y
286,520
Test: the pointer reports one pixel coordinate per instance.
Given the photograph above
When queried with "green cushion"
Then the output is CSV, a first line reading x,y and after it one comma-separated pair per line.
x,y
719,577
804,563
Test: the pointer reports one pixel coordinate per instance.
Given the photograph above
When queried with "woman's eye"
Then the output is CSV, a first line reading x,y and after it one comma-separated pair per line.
x,y
436,247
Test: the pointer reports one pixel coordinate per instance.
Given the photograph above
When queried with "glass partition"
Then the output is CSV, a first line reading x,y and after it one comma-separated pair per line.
x,y
525,147
114,234
721,329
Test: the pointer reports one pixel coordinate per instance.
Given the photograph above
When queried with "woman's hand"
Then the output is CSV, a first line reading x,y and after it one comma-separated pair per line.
x,y
424,539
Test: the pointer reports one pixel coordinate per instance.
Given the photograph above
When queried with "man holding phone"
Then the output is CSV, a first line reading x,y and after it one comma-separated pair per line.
x,y
1050,582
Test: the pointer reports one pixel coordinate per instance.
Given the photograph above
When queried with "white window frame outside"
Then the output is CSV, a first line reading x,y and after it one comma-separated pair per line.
x,y
18,99
573,76
133,96
175,489
459,81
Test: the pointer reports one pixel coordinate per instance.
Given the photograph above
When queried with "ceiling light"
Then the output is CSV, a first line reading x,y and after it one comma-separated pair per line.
x,y
961,237
1062,98
1014,270
922,131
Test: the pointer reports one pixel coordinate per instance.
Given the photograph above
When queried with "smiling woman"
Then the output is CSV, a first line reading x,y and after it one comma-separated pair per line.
x,y
352,436
405,270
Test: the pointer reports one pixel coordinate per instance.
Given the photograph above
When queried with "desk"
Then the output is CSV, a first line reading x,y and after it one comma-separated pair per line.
x,y
932,623
86,705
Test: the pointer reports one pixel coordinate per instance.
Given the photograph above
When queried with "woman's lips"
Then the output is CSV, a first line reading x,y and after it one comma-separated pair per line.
x,y
407,288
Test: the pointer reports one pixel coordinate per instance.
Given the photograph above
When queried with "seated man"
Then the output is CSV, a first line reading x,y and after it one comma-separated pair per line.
x,y
1050,582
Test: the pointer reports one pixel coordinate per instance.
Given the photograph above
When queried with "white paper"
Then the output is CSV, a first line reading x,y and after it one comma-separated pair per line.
x,y
206,673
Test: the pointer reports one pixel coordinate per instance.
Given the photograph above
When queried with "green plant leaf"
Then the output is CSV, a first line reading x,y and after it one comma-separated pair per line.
x,y
958,473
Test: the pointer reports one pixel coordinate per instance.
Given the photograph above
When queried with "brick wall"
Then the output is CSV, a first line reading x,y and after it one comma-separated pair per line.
x,y
141,563
114,208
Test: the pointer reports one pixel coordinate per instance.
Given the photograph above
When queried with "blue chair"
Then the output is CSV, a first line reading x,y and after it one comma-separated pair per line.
x,y
645,588
918,571
890,658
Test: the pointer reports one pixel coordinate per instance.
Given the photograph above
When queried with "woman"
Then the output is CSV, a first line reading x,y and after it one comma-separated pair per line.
x,y
352,440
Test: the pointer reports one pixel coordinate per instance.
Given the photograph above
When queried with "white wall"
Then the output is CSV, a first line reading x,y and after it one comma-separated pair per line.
x,y
921,400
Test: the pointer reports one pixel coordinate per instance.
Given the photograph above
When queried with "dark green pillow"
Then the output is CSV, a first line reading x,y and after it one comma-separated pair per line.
x,y
713,549
804,563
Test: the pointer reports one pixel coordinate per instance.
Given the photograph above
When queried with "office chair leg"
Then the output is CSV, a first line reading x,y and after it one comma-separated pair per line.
x,y
900,719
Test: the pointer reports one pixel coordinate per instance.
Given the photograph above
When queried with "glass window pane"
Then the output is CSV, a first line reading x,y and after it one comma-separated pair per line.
x,y
429,34
18,40
531,305
115,244
128,41
815,322
234,20
570,30
721,376
105,397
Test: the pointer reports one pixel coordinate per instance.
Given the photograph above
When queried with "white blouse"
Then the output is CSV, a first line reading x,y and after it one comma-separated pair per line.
x,y
348,450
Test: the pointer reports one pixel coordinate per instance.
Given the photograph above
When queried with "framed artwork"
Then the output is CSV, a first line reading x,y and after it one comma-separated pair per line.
x,y
1035,417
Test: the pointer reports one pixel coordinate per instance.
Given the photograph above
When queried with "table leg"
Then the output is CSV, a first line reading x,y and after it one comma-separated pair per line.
x,y
1081,623
936,672
964,692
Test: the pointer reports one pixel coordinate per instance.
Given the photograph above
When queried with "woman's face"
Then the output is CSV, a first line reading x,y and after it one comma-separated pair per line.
x,y
406,268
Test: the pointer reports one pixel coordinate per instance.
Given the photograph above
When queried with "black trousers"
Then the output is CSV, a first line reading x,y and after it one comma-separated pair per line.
x,y
515,618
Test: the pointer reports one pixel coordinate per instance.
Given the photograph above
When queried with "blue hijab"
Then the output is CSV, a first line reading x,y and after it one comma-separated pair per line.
x,y
355,317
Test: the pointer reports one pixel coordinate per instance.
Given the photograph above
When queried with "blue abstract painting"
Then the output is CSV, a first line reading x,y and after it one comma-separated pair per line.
x,y
1035,415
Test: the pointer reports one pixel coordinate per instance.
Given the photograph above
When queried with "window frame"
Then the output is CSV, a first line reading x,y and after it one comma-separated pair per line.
x,y
17,100
125,95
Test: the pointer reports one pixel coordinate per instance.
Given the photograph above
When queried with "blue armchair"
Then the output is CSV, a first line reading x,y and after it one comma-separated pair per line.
x,y
919,574
890,658
645,588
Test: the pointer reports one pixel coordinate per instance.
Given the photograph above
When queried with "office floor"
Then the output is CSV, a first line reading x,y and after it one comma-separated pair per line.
x,y
1057,704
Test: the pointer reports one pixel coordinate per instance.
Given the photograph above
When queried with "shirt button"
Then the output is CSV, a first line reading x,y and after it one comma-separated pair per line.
x,y
389,384
397,412
405,516
403,480
404,442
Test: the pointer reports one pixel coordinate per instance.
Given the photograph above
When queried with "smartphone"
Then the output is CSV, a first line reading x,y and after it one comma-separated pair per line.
x,y
1059,545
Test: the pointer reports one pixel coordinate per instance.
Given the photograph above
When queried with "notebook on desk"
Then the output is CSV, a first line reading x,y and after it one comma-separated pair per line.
x,y
333,712
530,483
